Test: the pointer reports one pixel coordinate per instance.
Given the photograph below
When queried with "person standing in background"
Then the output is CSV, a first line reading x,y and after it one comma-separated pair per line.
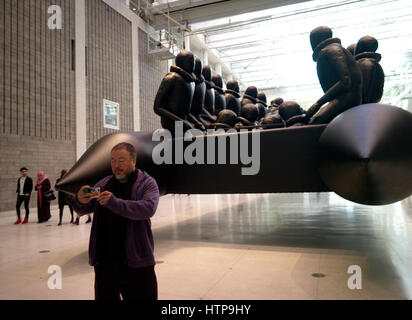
x,y
43,206
24,189
64,199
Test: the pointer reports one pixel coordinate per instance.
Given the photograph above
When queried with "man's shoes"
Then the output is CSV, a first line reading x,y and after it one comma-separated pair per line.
x,y
25,221
60,223
77,222
18,221
89,220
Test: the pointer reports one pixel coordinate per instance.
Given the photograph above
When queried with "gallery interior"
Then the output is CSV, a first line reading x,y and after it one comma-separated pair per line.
x,y
319,92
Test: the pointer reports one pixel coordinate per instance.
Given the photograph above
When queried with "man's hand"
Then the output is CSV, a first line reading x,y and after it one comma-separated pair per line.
x,y
83,197
104,198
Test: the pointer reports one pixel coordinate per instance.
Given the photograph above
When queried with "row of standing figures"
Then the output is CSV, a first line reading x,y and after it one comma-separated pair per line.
x,y
44,189
348,76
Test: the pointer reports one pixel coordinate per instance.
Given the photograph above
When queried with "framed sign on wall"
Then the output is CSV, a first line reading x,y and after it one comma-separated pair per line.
x,y
111,114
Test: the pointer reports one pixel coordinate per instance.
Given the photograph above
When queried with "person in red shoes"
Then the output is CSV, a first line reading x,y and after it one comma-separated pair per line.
x,y
24,189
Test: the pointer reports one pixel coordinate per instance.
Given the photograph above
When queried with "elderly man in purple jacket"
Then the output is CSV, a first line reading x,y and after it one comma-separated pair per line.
x,y
121,240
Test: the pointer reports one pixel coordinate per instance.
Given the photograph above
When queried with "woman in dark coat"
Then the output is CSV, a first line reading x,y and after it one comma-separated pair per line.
x,y
64,199
43,206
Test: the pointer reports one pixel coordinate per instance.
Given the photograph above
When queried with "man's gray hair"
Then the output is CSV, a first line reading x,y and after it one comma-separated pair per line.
x,y
128,147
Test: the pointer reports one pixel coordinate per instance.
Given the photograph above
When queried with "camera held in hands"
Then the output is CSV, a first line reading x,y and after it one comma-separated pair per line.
x,y
94,192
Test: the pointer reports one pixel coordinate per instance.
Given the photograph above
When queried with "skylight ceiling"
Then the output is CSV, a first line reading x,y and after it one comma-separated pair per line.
x,y
271,49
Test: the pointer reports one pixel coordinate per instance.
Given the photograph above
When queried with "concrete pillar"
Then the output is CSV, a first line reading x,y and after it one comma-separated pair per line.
x,y
205,57
218,68
187,41
80,36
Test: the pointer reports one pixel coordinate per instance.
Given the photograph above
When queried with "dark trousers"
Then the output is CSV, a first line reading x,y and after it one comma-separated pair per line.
x,y
20,200
131,284
61,212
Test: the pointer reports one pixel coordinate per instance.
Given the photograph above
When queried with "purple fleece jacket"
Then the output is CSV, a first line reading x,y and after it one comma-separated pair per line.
x,y
138,211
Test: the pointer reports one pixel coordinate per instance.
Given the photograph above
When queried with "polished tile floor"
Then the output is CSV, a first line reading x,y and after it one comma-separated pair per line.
x,y
266,246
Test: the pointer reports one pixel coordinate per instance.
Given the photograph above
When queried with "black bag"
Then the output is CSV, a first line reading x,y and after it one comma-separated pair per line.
x,y
50,196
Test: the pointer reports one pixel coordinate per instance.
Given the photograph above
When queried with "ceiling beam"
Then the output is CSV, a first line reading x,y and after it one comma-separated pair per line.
x,y
200,12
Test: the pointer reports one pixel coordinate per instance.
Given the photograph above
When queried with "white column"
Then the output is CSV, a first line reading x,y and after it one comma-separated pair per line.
x,y
80,36
218,68
187,41
170,63
205,57
229,77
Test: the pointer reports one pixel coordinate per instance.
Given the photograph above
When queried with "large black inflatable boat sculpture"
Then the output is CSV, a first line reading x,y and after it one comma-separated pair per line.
x,y
363,152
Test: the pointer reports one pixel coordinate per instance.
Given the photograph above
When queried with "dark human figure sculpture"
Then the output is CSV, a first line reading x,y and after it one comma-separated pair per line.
x,y
352,48
323,158
278,101
272,120
175,94
198,102
250,96
248,116
261,104
262,98
373,77
291,109
220,102
209,109
226,119
339,75
232,96
275,103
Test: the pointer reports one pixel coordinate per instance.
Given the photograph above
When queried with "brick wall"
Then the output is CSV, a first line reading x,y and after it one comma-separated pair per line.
x,y
36,93
36,80
109,67
36,154
37,85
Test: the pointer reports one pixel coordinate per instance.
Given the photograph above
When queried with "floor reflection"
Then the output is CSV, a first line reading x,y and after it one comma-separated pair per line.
x,y
383,234
207,245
